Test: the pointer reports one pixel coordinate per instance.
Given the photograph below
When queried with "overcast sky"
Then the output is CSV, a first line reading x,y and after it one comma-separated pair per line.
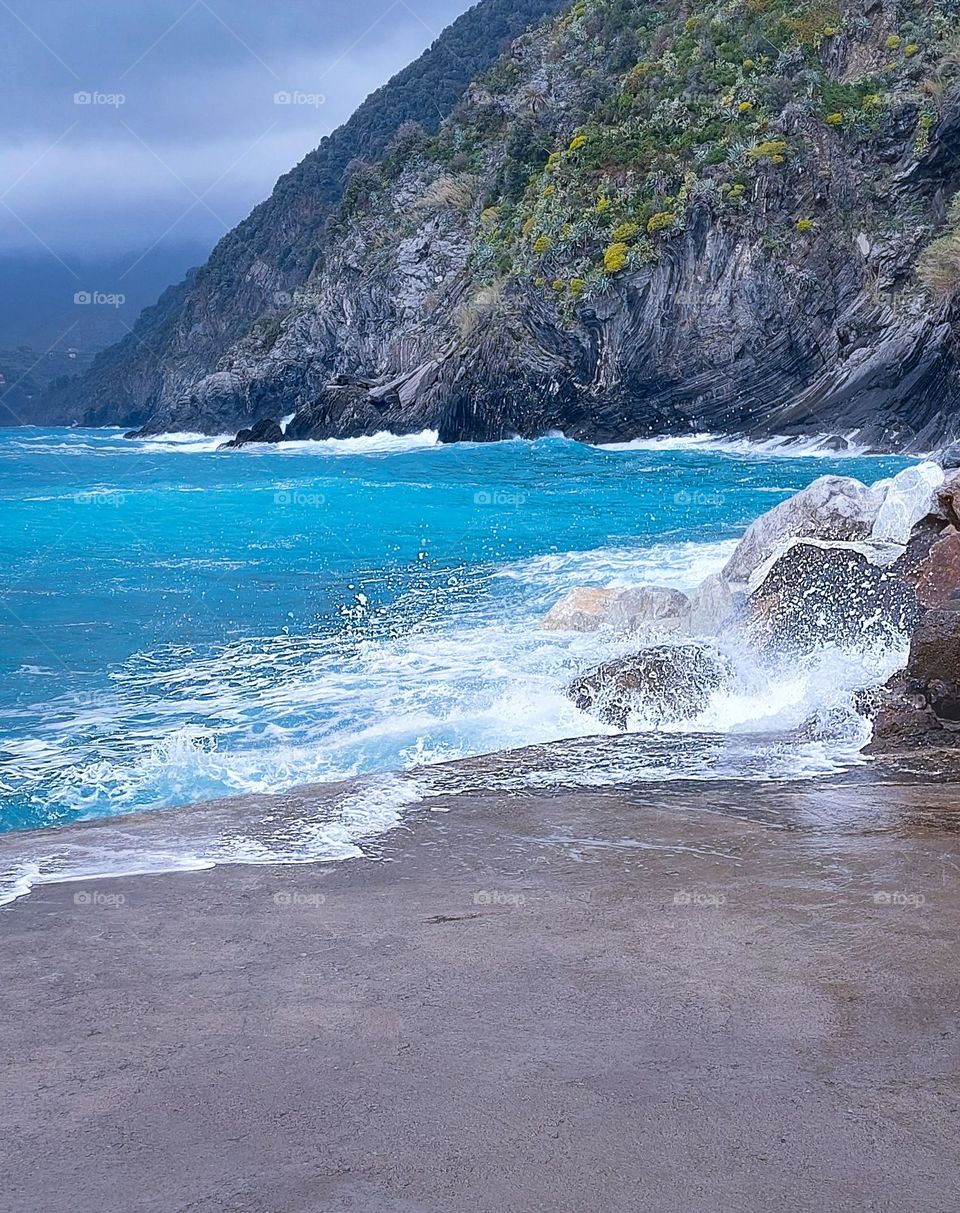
x,y
129,123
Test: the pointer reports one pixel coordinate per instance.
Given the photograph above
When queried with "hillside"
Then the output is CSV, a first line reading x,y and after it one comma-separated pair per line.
x,y
645,220
254,268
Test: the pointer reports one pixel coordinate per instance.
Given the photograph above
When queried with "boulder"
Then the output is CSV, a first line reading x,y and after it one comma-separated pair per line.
x,y
935,648
714,605
948,499
920,706
662,684
831,508
925,534
266,430
820,593
649,608
908,497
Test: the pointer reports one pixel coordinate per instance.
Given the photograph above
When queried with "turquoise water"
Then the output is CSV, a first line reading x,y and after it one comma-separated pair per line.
x,y
180,623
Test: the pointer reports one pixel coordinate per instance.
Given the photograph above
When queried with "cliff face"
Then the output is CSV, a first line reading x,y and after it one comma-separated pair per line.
x,y
644,221
254,268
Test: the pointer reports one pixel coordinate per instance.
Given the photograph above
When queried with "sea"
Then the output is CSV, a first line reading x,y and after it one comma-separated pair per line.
x,y
181,623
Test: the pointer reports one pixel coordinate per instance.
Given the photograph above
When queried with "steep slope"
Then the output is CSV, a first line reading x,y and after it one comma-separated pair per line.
x,y
646,219
254,267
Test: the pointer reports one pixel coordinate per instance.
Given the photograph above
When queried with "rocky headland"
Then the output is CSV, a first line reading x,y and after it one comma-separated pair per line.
x,y
840,563
633,221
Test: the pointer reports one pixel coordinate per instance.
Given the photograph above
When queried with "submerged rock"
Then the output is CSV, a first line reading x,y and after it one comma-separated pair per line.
x,y
649,608
663,684
266,430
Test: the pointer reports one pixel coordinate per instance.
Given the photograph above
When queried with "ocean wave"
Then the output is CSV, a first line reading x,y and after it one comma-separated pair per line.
x,y
680,566
816,446
384,443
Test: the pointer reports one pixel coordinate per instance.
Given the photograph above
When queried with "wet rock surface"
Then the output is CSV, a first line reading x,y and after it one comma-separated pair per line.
x,y
661,684
264,431
825,594
920,706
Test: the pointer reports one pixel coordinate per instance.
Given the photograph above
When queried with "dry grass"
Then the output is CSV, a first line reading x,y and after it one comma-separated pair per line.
x,y
939,265
450,193
484,304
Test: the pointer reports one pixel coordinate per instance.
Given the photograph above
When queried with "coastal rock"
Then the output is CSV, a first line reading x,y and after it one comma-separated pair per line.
x,y
937,578
831,508
907,498
661,684
264,431
920,706
714,605
948,499
820,593
949,457
650,608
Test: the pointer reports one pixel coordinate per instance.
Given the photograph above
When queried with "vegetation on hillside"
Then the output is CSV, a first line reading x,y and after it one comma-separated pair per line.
x,y
939,267
732,104
713,104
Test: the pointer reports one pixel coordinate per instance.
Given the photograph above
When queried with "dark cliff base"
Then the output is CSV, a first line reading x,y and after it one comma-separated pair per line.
x,y
719,998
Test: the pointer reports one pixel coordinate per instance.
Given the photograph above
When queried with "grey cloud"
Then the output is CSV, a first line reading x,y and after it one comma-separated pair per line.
x,y
120,115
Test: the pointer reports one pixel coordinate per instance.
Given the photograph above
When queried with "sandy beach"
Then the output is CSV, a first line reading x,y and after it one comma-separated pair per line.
x,y
668,997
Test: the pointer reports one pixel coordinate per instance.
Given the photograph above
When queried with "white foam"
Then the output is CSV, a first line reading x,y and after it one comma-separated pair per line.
x,y
682,566
384,443
330,834
816,446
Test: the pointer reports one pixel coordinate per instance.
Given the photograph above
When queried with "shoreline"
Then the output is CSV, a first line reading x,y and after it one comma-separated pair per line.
x,y
657,996
198,836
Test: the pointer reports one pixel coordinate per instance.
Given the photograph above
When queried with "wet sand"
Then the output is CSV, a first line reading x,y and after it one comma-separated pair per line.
x,y
674,997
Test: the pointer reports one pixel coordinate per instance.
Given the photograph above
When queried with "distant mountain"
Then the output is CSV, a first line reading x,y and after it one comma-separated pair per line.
x,y
256,267
56,316
642,219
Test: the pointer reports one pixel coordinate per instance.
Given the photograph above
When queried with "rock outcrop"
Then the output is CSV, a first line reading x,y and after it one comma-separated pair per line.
x,y
267,431
920,706
839,563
